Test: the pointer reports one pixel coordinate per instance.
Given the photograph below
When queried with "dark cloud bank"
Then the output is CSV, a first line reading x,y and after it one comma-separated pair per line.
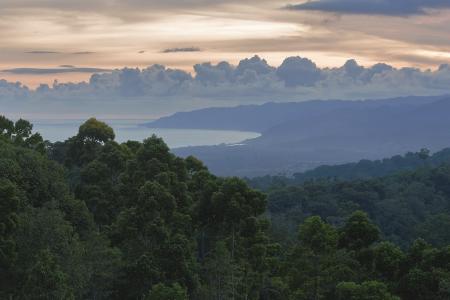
x,y
251,81
62,69
186,49
373,7
42,52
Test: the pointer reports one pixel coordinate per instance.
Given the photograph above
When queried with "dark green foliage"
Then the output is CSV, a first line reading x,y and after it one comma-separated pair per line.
x,y
6,127
405,206
358,232
164,292
387,260
369,290
93,219
9,205
364,169
308,265
125,221
8,219
96,131
436,229
49,245
316,268
317,236
45,280
20,133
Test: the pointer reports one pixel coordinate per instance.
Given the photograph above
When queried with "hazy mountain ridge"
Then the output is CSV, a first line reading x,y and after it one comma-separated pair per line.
x,y
271,114
299,136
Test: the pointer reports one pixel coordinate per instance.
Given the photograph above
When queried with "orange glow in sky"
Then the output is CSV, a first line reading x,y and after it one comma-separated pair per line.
x,y
96,34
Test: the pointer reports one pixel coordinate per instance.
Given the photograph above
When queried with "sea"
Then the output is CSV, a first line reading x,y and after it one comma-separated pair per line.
x,y
133,129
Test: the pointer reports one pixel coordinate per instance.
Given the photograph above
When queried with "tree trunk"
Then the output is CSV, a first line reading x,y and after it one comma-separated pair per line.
x,y
232,264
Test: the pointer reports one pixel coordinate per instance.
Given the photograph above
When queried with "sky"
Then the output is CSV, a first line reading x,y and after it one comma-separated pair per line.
x,y
146,59
44,40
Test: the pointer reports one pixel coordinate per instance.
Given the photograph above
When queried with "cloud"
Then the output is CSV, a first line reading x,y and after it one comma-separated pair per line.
x,y
83,53
56,52
62,69
12,90
234,29
373,7
117,7
42,52
187,49
209,74
255,64
161,90
297,71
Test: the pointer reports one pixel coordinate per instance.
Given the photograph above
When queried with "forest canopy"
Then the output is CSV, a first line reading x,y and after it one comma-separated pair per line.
x,y
89,218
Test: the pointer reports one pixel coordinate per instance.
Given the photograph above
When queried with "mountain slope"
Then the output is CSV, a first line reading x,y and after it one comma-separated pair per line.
x,y
362,170
302,136
260,118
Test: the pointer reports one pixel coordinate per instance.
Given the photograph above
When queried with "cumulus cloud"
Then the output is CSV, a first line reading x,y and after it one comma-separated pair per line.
x,y
297,71
209,74
253,80
256,64
373,7
12,89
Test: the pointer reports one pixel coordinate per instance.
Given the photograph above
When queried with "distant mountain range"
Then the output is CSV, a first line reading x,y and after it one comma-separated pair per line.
x,y
300,136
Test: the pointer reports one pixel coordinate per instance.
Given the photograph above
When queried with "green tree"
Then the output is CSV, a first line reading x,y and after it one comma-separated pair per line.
x,y
358,232
387,260
419,284
428,273
96,131
317,236
6,127
435,229
167,292
424,154
308,273
221,272
9,204
229,213
22,129
369,290
86,145
46,280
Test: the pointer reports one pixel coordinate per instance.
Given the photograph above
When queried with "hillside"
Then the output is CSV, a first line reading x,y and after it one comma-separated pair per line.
x,y
404,205
364,169
260,118
302,136
90,218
